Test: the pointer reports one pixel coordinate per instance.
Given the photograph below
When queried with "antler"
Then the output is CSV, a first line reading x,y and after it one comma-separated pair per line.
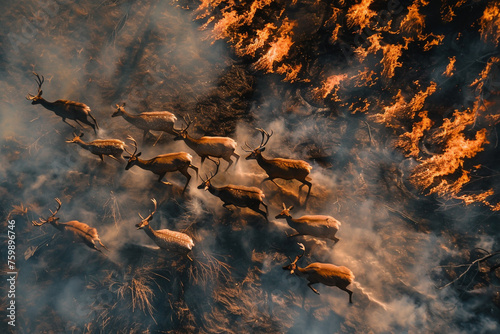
x,y
148,218
44,221
58,207
188,122
133,143
265,136
217,163
40,82
249,148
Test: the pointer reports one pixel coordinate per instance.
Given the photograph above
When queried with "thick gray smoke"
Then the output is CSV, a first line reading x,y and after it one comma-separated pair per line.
x,y
153,56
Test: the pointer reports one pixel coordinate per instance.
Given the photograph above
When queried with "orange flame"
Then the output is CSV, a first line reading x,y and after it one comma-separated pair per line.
x,y
457,149
278,49
450,68
331,84
360,14
490,23
414,22
409,141
392,52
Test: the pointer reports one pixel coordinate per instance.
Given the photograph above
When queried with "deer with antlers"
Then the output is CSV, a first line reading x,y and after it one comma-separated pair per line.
x,y
239,196
287,169
112,148
324,273
147,121
65,109
319,226
166,239
79,231
162,164
206,147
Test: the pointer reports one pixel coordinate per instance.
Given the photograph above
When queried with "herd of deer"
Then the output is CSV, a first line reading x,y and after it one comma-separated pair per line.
x,y
206,147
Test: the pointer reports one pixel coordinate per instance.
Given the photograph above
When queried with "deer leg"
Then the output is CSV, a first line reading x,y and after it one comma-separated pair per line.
x,y
272,180
313,289
100,243
309,184
225,205
229,161
64,120
90,243
186,174
195,168
102,158
164,182
117,157
258,210
267,211
144,135
237,158
88,123
203,159
349,292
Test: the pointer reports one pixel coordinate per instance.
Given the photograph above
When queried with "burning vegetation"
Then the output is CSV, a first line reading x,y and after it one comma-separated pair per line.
x,y
387,112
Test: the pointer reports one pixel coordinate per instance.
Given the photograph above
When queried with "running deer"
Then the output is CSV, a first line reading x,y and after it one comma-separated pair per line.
x,y
146,121
324,273
166,239
316,225
162,164
80,232
239,196
63,108
287,169
112,148
206,147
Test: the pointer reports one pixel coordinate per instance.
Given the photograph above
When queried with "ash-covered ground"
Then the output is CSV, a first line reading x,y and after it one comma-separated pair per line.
x,y
403,247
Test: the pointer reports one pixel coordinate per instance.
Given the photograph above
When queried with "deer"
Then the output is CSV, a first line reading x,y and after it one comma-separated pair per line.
x,y
79,112
319,226
79,231
112,148
206,146
162,164
166,239
324,273
147,121
239,196
277,168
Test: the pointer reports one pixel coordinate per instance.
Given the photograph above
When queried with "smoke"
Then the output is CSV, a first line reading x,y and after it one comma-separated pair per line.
x,y
153,56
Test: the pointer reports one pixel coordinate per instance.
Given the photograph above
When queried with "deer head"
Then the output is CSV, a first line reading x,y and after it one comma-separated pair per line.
x,y
35,99
206,183
254,153
51,219
76,138
132,159
119,110
182,133
145,221
285,212
293,265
